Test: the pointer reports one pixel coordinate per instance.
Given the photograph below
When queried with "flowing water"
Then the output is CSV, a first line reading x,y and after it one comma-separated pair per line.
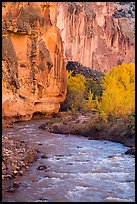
x,y
77,169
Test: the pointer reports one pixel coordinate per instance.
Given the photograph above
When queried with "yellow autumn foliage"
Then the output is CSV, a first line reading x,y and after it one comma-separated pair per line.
x,y
90,103
118,97
76,88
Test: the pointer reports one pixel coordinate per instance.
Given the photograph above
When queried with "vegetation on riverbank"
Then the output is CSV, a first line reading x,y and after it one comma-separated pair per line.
x,y
113,95
90,125
107,106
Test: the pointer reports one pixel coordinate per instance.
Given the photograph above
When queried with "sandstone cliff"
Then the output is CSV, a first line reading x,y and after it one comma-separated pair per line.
x,y
33,69
93,36
36,36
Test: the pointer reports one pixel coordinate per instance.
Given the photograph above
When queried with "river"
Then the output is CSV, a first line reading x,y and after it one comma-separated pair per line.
x,y
77,169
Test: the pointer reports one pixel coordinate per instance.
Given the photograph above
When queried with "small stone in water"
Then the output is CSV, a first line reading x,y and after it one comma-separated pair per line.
x,y
44,156
10,190
15,185
42,167
69,164
8,176
79,147
21,173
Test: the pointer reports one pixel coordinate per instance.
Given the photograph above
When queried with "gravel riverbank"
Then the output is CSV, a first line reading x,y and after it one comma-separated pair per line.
x,y
16,158
17,155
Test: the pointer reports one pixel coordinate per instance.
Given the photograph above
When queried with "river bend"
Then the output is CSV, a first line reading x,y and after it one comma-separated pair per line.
x,y
77,169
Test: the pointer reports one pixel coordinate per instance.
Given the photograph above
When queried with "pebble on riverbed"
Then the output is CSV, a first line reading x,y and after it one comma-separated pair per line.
x,y
42,167
44,156
10,190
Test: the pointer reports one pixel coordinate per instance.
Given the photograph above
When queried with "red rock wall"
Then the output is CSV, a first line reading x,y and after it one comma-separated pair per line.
x,y
33,69
33,37
93,37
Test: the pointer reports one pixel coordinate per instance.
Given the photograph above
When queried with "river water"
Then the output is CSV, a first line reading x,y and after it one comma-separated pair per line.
x,y
77,169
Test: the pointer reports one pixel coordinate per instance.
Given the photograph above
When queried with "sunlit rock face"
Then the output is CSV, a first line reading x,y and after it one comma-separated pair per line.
x,y
93,36
33,69
39,37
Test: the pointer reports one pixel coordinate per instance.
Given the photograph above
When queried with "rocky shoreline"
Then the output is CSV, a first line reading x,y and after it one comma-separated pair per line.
x,y
90,126
18,155
16,158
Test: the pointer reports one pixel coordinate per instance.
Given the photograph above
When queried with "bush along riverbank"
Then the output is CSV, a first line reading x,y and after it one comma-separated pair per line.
x,y
93,127
101,106
97,106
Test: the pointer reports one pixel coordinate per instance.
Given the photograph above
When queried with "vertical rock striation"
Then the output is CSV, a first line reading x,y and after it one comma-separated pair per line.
x,y
33,69
93,36
33,37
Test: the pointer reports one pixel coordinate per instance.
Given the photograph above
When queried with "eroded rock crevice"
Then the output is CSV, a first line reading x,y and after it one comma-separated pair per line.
x,y
33,62
94,35
39,38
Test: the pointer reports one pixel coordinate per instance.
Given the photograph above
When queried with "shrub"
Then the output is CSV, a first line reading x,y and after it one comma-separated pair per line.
x,y
94,87
75,91
81,92
118,97
89,104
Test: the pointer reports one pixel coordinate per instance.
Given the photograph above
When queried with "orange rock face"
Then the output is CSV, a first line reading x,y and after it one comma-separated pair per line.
x,y
33,37
33,69
93,37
